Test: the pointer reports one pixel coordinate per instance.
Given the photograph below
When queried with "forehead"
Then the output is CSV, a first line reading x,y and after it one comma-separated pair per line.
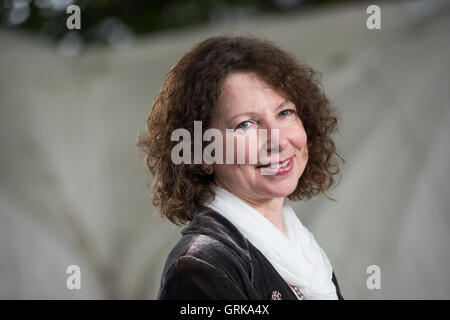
x,y
235,80
245,88
237,83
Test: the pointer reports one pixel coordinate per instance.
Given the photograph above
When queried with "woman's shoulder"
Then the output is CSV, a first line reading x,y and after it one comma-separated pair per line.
x,y
211,238
212,224
211,250
191,277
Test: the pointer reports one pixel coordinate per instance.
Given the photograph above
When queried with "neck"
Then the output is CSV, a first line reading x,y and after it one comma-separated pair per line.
x,y
271,209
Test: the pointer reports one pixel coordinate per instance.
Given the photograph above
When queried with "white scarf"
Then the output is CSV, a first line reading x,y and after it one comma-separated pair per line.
x,y
295,255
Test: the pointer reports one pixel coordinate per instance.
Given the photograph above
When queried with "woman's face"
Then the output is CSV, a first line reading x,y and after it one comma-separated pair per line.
x,y
246,105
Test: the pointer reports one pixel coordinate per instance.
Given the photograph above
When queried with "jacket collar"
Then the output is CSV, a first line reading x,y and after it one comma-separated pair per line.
x,y
209,222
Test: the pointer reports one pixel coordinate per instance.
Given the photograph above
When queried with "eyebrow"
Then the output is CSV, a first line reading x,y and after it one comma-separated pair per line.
x,y
286,101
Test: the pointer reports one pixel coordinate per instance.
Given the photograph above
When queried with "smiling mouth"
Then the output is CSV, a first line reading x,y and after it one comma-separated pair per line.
x,y
276,165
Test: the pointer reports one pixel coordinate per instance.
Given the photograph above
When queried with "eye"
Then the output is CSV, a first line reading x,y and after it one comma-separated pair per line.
x,y
287,112
243,125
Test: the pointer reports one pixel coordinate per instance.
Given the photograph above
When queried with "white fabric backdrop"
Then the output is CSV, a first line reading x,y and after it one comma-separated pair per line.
x,y
73,188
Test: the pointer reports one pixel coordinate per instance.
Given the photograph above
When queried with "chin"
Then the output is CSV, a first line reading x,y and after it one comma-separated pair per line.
x,y
279,190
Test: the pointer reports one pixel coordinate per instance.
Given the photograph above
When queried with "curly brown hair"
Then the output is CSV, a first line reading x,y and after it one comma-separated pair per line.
x,y
190,92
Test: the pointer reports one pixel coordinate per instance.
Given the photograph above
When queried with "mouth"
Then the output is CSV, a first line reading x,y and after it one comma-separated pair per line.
x,y
278,165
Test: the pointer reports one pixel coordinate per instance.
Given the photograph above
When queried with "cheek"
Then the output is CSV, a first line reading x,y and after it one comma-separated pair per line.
x,y
305,154
302,144
297,137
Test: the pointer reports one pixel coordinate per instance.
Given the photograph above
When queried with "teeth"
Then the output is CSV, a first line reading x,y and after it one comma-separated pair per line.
x,y
279,165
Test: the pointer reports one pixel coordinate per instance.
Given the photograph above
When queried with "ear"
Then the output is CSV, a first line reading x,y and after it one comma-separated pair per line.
x,y
208,169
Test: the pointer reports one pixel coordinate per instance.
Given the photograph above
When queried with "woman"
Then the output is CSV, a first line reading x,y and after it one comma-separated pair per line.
x,y
243,240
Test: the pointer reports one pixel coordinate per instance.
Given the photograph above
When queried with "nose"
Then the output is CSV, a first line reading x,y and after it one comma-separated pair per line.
x,y
276,140
273,142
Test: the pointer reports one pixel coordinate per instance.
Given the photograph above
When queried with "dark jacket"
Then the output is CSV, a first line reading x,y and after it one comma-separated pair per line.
x,y
213,260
